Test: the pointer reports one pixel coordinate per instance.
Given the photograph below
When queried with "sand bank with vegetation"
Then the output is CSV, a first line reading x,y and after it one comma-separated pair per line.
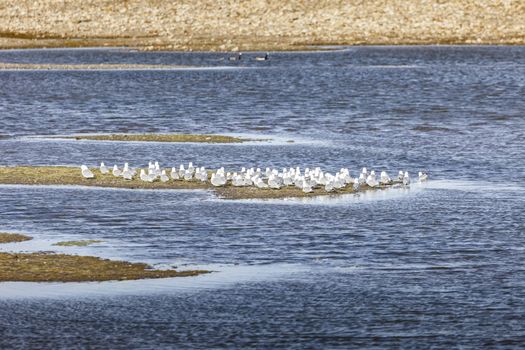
x,y
13,237
200,138
50,267
56,175
227,25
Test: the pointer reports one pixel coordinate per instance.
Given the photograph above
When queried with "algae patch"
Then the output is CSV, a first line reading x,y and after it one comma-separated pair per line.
x,y
45,267
200,138
83,243
13,237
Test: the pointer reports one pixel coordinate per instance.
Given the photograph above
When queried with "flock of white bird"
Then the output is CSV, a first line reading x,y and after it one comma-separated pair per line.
x,y
306,180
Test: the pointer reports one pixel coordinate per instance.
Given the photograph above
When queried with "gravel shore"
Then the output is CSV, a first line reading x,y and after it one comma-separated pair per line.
x,y
222,25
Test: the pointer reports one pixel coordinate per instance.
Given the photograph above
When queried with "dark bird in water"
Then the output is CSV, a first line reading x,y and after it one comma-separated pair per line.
x,y
236,58
265,58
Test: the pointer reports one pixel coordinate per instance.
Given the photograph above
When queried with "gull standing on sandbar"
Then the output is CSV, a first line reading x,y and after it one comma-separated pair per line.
x,y
86,172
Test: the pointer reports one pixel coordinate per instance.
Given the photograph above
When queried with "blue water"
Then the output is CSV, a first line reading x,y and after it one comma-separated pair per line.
x,y
437,265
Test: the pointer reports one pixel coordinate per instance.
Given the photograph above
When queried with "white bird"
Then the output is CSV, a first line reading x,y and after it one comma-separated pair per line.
x,y
204,175
152,174
406,179
306,187
371,179
384,179
174,174
86,172
329,187
127,175
116,171
237,180
143,175
181,171
164,177
216,180
126,172
157,169
423,176
259,183
400,175
362,178
356,185
273,182
103,168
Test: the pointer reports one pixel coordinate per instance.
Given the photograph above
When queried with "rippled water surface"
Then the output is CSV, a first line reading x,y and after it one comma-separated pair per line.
x,y
436,265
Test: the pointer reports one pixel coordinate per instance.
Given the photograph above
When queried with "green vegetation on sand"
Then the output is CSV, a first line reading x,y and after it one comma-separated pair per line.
x,y
83,243
162,138
45,267
13,237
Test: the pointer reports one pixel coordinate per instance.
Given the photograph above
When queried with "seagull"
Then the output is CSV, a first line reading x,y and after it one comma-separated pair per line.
x,y
371,179
406,179
204,174
265,58
126,173
329,187
356,185
362,178
188,175
86,172
385,179
423,176
103,168
216,180
163,176
306,187
174,174
116,171
143,175
273,182
259,183
400,175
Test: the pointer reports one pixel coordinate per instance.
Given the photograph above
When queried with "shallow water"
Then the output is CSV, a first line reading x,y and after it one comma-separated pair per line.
x,y
437,265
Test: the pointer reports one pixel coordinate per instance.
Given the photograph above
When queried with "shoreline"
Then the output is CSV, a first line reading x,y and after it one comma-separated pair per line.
x,y
64,44
101,66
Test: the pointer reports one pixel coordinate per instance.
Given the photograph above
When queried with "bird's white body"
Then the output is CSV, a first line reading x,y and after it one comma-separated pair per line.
x,y
116,171
384,179
163,176
86,173
103,169
406,179
174,174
